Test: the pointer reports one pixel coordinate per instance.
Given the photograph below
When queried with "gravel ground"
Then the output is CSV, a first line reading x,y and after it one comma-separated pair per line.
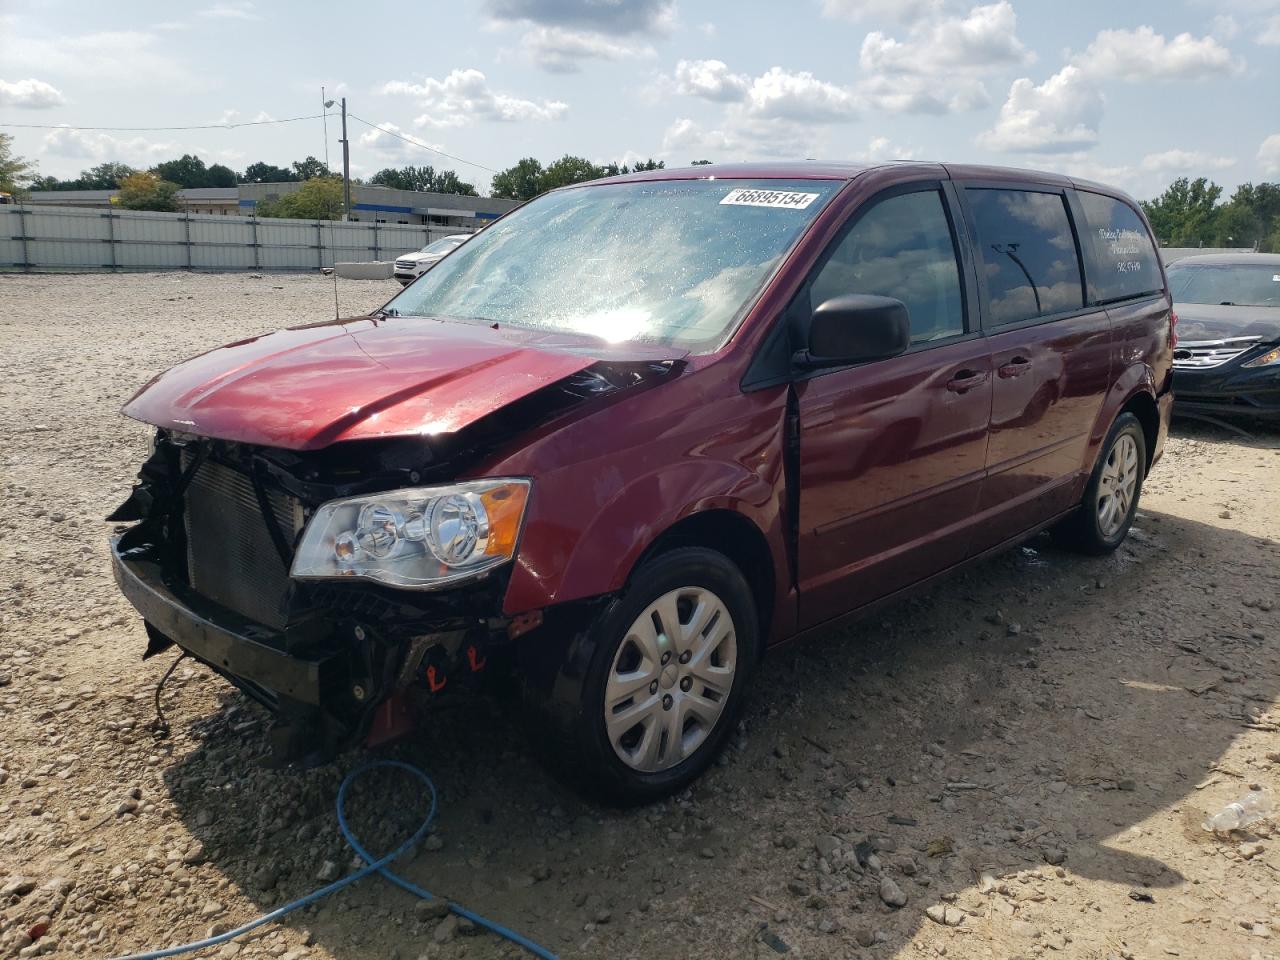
x,y
1013,764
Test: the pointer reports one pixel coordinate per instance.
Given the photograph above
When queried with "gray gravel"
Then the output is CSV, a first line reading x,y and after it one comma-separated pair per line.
x,y
928,781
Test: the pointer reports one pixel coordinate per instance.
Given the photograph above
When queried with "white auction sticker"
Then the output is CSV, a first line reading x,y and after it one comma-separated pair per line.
x,y
744,197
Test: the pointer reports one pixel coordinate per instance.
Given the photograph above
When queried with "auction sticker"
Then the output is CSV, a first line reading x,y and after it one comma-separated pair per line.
x,y
744,197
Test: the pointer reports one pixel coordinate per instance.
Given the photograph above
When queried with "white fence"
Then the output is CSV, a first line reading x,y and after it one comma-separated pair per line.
x,y
39,238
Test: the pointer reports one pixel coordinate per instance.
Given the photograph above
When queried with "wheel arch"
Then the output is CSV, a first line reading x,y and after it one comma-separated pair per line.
x,y
1143,406
730,533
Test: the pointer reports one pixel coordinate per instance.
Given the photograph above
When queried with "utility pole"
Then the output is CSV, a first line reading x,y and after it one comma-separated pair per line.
x,y
346,166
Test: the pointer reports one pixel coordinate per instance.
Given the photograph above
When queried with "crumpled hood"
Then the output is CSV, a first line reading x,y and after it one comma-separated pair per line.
x,y
1210,321
365,377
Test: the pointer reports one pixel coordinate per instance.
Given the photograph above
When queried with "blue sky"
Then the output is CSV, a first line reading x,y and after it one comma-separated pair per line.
x,y
1133,93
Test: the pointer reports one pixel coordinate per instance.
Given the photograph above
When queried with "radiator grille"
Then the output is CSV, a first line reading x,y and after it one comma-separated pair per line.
x,y
1199,354
231,558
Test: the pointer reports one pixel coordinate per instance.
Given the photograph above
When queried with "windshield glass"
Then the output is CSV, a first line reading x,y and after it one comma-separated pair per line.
x,y
1241,284
441,246
671,261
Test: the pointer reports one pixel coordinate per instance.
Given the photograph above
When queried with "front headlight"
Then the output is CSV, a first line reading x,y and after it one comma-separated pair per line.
x,y
1268,359
420,538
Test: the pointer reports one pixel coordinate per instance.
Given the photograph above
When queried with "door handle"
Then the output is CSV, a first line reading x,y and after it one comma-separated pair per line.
x,y
966,380
1016,367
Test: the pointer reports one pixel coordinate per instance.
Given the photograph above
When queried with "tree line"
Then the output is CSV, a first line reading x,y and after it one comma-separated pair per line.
x,y
1189,214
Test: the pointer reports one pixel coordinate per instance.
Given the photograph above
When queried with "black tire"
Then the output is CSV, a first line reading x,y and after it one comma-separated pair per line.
x,y
1083,531
583,751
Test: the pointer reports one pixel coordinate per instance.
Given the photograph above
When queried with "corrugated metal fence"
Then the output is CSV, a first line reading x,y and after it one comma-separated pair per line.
x,y
38,238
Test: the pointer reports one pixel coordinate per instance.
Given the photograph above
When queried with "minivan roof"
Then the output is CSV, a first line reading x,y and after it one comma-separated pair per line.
x,y
829,170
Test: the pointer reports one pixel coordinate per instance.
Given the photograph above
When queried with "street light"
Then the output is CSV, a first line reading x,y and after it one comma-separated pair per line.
x,y
346,162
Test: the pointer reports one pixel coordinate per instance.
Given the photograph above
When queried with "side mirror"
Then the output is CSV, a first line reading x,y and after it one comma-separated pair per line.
x,y
855,328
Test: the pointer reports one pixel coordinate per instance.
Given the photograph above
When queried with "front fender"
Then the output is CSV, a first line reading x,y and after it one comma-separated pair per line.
x,y
586,543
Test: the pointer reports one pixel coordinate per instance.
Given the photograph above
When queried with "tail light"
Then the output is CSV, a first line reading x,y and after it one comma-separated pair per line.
x,y
1173,329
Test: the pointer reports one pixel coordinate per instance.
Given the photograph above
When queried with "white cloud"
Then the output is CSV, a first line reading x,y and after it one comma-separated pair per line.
x,y
1064,112
937,68
782,94
1269,155
1060,114
983,40
880,149
684,136
30,94
384,140
231,10
904,11
560,50
465,95
1144,55
610,16
1184,161
95,146
1224,26
108,59
777,93
1269,35
711,80
561,33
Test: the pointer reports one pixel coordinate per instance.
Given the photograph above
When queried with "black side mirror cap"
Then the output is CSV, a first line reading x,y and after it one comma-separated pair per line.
x,y
855,328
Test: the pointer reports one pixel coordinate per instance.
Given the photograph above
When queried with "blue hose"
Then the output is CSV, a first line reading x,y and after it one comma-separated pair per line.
x,y
379,866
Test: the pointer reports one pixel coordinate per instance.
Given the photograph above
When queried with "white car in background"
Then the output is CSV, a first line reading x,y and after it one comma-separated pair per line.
x,y
413,265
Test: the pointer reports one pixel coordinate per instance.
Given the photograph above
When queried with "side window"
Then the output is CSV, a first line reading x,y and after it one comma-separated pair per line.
x,y
1028,253
1121,257
900,248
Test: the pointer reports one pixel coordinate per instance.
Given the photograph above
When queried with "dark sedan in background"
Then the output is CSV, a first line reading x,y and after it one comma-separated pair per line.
x,y
1228,354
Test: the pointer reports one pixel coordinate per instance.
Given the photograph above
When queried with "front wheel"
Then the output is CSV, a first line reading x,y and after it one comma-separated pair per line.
x,y
665,679
1111,496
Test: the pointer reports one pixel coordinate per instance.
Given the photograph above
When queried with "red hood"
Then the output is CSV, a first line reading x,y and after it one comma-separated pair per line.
x,y
360,378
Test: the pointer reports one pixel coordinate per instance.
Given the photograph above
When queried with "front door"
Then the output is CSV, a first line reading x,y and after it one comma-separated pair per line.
x,y
1051,356
892,452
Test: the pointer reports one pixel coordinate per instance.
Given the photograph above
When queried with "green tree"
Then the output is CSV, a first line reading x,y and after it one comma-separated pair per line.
x,y
426,179
187,171
1185,213
320,198
567,170
309,169
220,175
145,190
14,170
267,173
519,182
105,176
699,163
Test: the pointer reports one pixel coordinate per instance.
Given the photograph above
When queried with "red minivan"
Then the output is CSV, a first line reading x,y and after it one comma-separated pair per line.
x,y
638,431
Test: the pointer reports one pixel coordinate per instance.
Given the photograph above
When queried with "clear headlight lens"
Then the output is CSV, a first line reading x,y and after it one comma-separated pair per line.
x,y
420,538
1268,359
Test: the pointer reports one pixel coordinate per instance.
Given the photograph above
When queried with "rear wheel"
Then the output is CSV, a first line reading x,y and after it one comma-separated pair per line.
x,y
1111,496
664,684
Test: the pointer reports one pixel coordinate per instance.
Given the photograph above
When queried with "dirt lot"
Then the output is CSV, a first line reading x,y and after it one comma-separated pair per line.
x,y
1026,752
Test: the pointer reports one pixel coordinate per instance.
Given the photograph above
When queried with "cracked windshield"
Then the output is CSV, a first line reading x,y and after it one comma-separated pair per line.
x,y
671,262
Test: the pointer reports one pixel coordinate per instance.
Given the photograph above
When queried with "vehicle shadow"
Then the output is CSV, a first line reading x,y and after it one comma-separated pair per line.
x,y
1032,718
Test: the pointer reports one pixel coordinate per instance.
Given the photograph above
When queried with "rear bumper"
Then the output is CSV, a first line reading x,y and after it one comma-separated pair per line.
x,y
1165,405
256,660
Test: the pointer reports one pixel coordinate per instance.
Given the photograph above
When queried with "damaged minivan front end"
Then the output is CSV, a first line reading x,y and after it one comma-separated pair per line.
x,y
333,583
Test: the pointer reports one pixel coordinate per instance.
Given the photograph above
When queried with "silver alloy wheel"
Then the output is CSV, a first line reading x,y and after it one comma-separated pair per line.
x,y
1117,485
670,679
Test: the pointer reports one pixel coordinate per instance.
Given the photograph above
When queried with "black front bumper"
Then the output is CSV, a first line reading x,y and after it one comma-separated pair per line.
x,y
237,648
1230,388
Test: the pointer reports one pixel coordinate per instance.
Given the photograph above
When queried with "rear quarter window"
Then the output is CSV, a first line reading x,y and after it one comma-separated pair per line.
x,y
1122,261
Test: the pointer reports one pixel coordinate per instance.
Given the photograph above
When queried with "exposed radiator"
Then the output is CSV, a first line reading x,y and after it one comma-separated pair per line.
x,y
230,555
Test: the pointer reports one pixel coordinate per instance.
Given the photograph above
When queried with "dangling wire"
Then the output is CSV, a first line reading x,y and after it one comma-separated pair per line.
x,y
160,725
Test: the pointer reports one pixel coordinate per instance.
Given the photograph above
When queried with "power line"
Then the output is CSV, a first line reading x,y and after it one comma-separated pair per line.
x,y
203,126
419,143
